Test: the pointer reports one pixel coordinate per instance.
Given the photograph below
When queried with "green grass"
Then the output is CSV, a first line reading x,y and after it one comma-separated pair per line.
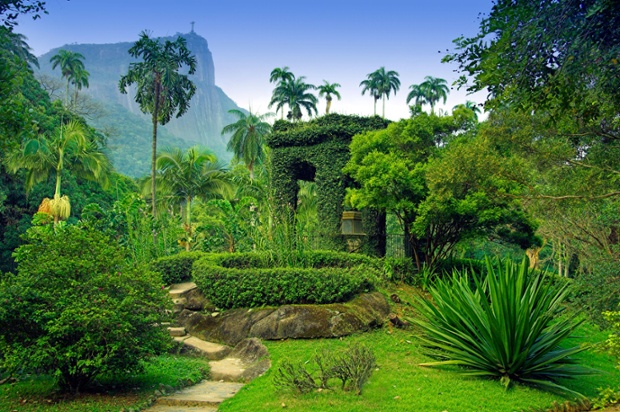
x,y
37,393
400,384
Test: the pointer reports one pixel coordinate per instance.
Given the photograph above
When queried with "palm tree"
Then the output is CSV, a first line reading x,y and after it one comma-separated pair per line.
x,y
161,89
436,89
295,93
69,148
184,176
15,43
70,64
471,106
419,94
279,76
387,82
381,83
247,140
79,79
371,86
327,89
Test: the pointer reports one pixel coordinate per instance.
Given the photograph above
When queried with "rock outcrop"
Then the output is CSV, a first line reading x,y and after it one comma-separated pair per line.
x,y
363,313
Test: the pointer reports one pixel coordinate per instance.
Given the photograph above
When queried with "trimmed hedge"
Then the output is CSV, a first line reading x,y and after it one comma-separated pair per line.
x,y
232,288
176,268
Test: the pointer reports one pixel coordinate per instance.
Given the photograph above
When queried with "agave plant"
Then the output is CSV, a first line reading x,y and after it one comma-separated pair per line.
x,y
505,324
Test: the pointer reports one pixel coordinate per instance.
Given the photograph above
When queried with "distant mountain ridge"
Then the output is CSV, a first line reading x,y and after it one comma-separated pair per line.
x,y
130,139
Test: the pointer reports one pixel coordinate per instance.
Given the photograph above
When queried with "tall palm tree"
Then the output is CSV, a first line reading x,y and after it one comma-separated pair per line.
x,y
433,89
161,90
70,64
380,84
15,43
279,76
387,82
471,106
327,89
79,79
184,176
371,85
296,95
69,148
418,92
248,135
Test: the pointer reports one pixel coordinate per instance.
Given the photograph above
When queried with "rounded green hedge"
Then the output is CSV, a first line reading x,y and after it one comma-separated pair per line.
x,y
229,288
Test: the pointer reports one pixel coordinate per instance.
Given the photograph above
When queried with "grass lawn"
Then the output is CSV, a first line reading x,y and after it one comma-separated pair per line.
x,y
399,384
37,393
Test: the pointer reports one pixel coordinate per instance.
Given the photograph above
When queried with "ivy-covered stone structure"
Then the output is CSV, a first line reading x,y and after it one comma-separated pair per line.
x,y
317,151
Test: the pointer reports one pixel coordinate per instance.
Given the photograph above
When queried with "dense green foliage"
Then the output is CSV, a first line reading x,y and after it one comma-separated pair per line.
x,y
176,268
160,89
316,151
508,326
437,177
232,288
122,392
78,315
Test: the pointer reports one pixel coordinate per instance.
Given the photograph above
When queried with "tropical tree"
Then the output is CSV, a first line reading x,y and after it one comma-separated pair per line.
x,y
371,86
247,139
471,106
161,90
430,91
380,84
79,79
183,176
419,94
279,76
71,68
296,94
69,148
327,89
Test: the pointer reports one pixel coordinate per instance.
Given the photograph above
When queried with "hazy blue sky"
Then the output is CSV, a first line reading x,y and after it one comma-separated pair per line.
x,y
339,40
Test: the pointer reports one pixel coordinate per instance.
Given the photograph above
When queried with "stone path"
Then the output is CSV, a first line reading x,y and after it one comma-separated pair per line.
x,y
226,372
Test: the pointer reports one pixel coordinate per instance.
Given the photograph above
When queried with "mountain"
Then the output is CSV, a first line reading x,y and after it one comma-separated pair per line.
x,y
128,129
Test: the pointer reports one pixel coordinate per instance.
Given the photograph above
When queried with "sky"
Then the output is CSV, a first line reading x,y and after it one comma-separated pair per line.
x,y
340,41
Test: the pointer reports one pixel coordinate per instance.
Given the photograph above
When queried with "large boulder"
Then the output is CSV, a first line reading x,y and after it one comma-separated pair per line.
x,y
363,313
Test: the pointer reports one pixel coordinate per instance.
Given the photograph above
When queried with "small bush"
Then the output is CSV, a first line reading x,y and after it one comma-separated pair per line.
x,y
331,259
176,268
507,326
353,366
232,288
294,376
76,310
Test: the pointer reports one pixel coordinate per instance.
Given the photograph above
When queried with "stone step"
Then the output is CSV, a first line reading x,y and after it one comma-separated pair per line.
x,y
177,332
227,370
179,289
173,408
204,394
209,350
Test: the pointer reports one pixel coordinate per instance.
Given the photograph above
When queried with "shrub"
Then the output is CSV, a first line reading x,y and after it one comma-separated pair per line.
x,y
231,288
176,268
75,310
613,341
354,366
506,326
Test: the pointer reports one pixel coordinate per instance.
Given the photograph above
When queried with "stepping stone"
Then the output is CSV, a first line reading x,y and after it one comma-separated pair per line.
x,y
228,370
172,408
204,394
176,332
210,350
179,289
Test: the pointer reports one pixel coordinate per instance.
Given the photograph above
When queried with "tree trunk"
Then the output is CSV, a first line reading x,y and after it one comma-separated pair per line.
x,y
154,146
327,107
383,106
